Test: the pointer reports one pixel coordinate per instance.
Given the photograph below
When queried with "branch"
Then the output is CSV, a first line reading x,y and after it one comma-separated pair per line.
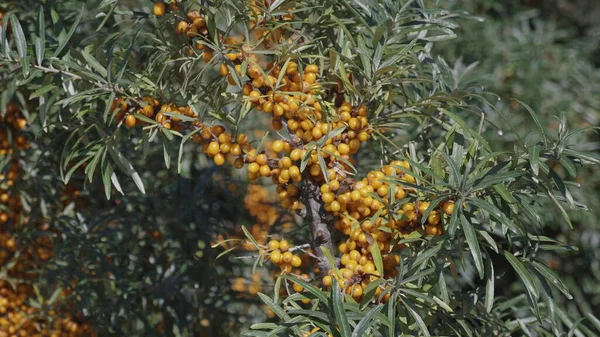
x,y
58,71
315,215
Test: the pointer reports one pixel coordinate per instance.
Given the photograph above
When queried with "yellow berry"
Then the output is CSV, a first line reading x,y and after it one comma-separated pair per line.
x,y
284,245
159,9
275,256
296,261
219,159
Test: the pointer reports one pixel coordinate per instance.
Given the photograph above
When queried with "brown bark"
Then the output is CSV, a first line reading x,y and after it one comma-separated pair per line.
x,y
316,216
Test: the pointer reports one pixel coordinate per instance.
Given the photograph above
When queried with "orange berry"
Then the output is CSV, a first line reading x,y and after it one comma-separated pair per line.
x,y
284,245
130,121
223,69
433,218
213,148
287,257
182,27
296,261
254,96
275,256
219,159
273,244
448,207
253,168
311,68
159,9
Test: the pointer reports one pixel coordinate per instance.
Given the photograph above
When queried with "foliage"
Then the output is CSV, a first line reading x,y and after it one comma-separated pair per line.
x,y
466,204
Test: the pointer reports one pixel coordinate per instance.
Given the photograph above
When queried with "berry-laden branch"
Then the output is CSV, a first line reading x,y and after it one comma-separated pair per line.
x,y
312,169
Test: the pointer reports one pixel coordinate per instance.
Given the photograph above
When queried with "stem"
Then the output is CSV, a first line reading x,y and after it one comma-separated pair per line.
x,y
315,215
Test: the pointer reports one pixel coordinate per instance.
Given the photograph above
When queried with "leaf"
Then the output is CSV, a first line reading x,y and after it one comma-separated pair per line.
x,y
250,237
523,274
552,277
278,311
65,40
338,309
411,309
442,304
426,255
307,286
106,173
471,237
94,63
453,223
276,4
376,254
534,156
434,203
41,91
560,208
535,118
40,42
493,211
589,157
366,321
465,127
127,168
568,165
489,286
21,43
115,181
107,16
454,170
330,260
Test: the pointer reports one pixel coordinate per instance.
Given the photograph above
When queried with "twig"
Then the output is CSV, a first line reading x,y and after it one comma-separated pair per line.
x,y
58,71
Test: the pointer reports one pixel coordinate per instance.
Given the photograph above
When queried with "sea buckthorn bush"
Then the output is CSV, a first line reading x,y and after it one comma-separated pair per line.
x,y
292,168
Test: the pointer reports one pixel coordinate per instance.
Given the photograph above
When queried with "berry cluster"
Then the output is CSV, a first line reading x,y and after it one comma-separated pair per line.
x,y
324,133
353,210
216,142
160,8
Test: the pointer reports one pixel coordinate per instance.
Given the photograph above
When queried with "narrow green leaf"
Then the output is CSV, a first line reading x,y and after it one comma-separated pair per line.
x,y
442,304
568,165
41,91
534,156
560,208
40,42
309,287
338,309
21,43
106,173
552,278
376,254
535,118
524,274
94,63
411,309
250,237
65,40
471,237
489,286
493,211
366,322
453,223
586,156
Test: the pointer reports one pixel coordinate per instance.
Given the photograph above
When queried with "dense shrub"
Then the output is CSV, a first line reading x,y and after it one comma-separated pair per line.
x,y
276,168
